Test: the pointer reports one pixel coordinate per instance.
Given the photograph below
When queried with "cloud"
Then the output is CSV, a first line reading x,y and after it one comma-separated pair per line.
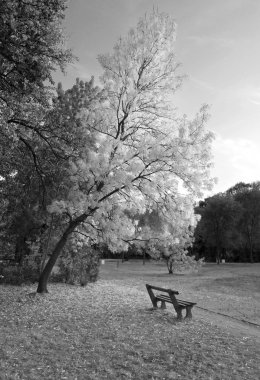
x,y
203,84
208,40
248,93
253,95
238,92
236,160
255,102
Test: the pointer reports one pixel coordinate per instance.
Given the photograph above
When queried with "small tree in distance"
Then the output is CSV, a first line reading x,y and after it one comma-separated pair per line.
x,y
168,240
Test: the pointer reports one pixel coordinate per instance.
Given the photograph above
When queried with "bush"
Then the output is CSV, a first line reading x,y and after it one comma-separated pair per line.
x,y
78,266
11,275
14,274
18,275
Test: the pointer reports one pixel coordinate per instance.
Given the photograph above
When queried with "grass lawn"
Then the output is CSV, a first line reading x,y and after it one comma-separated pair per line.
x,y
108,331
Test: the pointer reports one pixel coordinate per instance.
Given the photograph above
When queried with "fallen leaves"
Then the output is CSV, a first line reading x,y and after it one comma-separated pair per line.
x,y
108,331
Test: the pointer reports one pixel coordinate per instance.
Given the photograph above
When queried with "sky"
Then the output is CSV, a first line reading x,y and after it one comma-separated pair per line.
x,y
218,45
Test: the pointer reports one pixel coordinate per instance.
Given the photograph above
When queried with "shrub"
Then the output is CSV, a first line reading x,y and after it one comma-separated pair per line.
x,y
14,274
78,265
11,275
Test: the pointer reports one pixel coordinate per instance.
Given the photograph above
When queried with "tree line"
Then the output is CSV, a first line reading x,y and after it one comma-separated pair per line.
x,y
229,228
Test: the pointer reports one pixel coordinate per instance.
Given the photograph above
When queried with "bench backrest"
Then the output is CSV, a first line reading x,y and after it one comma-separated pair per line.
x,y
161,289
169,291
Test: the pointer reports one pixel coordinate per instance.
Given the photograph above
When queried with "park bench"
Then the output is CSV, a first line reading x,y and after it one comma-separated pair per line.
x,y
178,305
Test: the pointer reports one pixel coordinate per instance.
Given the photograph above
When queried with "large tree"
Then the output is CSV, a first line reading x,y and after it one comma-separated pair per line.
x,y
137,151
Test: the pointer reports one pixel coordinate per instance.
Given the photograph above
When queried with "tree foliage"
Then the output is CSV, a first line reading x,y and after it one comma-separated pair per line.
x,y
32,48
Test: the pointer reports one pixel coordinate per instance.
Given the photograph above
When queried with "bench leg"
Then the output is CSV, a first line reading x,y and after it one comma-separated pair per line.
x,y
188,312
179,314
152,296
163,306
155,303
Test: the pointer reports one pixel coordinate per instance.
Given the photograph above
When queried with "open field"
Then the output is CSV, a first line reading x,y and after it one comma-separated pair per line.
x,y
108,331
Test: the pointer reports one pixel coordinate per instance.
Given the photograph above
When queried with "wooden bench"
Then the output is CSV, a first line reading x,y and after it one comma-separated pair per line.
x,y
178,305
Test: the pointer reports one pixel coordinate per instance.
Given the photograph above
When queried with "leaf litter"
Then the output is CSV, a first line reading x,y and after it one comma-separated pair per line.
x,y
108,331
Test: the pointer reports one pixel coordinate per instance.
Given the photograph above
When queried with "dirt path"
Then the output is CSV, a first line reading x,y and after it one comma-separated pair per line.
x,y
239,329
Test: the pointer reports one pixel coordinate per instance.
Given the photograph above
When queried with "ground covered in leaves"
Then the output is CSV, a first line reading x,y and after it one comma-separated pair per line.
x,y
108,331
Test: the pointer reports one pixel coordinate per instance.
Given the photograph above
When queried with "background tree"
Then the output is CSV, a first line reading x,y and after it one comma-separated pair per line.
x,y
248,196
137,151
219,215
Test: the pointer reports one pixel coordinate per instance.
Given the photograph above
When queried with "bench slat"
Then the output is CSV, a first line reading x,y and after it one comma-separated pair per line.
x,y
180,303
162,297
186,303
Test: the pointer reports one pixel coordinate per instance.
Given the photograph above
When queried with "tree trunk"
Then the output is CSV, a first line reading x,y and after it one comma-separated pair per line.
x,y
250,239
251,252
42,285
21,249
218,255
170,266
47,246
43,280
